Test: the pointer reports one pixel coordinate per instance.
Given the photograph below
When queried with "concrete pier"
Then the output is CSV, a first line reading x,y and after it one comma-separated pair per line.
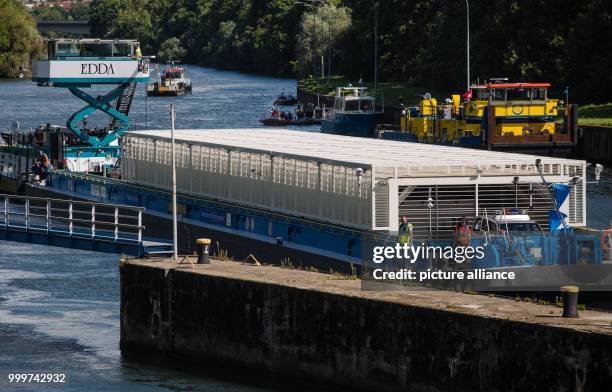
x,y
324,327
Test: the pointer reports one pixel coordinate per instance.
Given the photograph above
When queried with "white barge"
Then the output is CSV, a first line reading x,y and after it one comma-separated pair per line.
x,y
365,184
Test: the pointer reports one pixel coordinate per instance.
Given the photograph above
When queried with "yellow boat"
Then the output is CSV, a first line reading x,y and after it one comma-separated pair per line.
x,y
494,113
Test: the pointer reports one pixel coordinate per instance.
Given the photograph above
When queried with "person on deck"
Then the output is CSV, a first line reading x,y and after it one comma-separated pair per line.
x,y
405,231
463,232
137,51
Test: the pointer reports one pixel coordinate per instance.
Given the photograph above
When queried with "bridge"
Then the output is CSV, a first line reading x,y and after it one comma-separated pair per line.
x,y
80,225
70,27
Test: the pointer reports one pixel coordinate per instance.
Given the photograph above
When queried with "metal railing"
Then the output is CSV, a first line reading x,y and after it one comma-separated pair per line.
x,y
95,221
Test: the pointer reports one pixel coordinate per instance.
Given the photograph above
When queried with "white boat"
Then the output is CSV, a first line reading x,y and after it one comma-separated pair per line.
x,y
172,82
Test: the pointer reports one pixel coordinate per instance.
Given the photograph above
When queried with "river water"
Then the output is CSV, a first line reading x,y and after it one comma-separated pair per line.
x,y
59,308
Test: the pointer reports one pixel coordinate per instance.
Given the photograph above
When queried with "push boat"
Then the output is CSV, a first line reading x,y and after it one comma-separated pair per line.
x,y
307,198
172,82
496,115
354,113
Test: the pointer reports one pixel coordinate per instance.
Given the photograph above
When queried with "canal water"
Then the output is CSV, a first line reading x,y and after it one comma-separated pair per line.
x,y
59,308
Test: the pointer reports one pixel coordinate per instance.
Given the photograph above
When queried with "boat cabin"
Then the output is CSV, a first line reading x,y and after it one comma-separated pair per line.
x,y
63,48
82,62
504,92
172,73
353,100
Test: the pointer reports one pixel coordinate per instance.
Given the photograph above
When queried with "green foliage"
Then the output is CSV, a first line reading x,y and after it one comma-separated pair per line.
x,y
320,31
171,50
564,42
254,36
78,11
46,13
19,39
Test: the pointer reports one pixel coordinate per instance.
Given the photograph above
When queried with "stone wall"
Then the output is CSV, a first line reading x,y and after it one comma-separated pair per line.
x,y
351,341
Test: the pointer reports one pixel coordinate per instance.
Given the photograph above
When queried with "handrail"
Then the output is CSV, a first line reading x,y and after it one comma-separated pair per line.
x,y
78,218
72,201
196,198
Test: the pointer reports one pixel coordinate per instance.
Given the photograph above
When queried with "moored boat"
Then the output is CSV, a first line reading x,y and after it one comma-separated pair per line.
x,y
497,114
354,113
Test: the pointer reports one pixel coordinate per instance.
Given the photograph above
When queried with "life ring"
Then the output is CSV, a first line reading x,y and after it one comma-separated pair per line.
x,y
603,239
517,109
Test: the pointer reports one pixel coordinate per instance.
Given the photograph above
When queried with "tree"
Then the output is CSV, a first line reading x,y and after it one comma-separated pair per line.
x,y
46,13
20,42
171,50
320,32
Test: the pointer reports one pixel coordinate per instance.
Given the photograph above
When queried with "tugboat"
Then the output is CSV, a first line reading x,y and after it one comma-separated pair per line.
x,y
495,115
173,82
285,100
354,113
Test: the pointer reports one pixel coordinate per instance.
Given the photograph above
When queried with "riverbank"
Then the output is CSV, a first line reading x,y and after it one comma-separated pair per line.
x,y
324,327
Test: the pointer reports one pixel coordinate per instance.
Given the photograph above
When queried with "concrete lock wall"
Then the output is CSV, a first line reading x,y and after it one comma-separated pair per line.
x,y
351,341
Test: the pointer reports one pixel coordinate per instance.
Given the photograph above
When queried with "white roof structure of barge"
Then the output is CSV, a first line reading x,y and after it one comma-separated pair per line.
x,y
350,150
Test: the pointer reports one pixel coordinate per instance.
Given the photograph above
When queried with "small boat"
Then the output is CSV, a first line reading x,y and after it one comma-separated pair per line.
x,y
275,116
173,82
354,113
285,100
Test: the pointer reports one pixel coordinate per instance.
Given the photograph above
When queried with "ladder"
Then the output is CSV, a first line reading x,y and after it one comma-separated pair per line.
x,y
124,102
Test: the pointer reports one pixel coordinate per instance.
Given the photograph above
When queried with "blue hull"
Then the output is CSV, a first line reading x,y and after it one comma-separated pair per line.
x,y
336,242
352,124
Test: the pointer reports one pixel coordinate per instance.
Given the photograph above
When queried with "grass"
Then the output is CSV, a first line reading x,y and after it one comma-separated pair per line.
x,y
595,114
389,92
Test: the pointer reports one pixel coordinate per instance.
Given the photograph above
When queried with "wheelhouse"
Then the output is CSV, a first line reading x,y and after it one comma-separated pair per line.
x,y
504,92
63,48
353,100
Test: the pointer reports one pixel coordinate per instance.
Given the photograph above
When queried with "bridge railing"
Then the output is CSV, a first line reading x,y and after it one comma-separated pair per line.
x,y
72,218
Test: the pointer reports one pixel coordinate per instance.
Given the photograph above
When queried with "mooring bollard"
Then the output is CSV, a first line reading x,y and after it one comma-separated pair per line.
x,y
203,246
570,301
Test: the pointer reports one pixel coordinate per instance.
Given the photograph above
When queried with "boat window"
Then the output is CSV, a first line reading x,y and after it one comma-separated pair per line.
x,y
519,94
498,94
366,105
522,226
96,49
66,49
538,93
122,49
482,94
351,105
50,49
338,104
